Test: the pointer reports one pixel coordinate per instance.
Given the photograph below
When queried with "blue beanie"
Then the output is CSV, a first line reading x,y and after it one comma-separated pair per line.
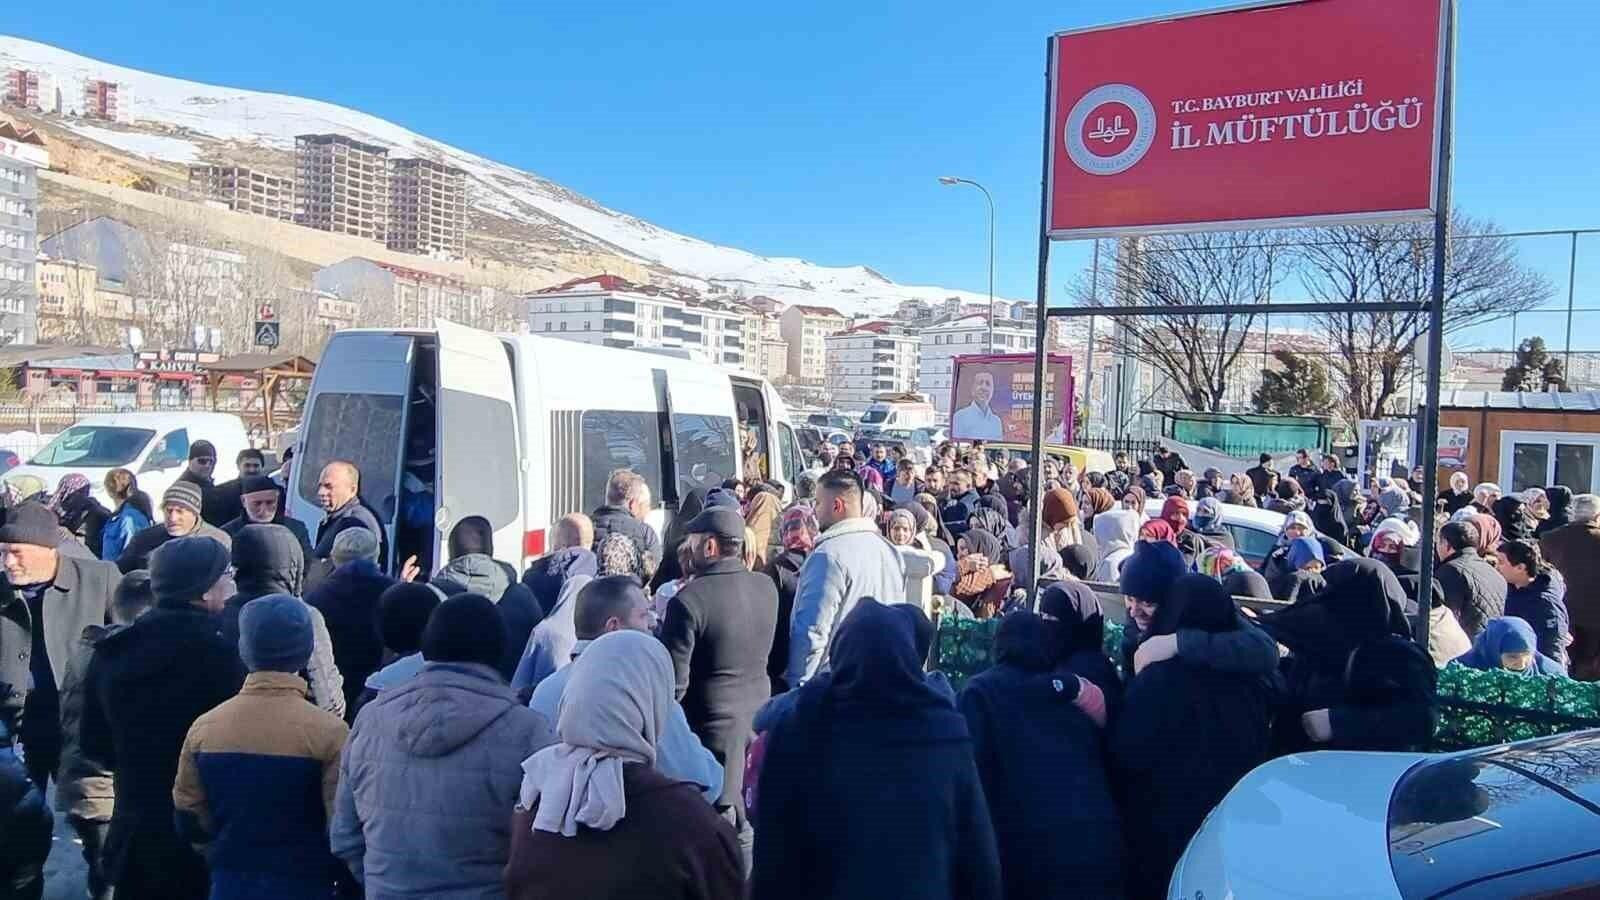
x,y
1152,568
1303,550
275,634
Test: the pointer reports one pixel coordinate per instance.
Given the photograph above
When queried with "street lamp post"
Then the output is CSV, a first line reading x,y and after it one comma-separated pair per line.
x,y
952,180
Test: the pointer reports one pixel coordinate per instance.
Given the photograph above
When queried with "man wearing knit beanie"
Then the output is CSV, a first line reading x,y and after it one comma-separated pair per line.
x,y
48,599
153,679
180,517
433,764
266,734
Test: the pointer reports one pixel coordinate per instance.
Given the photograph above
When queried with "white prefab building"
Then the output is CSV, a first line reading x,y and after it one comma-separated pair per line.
x,y
611,312
869,359
966,336
22,154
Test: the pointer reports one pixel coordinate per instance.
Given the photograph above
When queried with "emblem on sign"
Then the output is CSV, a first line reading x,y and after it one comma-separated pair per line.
x,y
1110,129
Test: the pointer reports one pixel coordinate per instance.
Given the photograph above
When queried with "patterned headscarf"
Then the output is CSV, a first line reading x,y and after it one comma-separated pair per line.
x,y
1158,530
1217,561
70,484
798,529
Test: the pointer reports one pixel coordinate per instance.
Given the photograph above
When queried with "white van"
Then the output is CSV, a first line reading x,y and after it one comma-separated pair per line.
x,y
521,430
897,412
152,445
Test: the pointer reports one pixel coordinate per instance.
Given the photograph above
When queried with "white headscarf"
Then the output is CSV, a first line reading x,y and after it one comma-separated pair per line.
x,y
614,708
1115,530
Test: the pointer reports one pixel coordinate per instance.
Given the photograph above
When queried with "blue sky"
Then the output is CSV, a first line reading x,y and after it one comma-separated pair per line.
x,y
818,130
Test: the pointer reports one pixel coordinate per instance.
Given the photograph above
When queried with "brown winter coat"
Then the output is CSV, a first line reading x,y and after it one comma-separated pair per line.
x,y
670,843
1575,550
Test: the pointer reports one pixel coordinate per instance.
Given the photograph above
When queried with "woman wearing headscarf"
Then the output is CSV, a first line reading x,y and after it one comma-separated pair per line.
x,y
1507,644
995,523
1446,640
1187,733
982,579
1072,611
1063,523
1295,525
1356,681
1560,499
1116,532
1515,521
1133,500
760,517
1051,567
798,531
1031,740
671,568
1490,533
80,513
1304,579
868,788
594,817
1096,500
1175,512
1158,531
935,538
1291,497
1233,573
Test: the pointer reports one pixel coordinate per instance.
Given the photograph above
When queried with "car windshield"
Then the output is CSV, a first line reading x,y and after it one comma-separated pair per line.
x,y
874,416
93,445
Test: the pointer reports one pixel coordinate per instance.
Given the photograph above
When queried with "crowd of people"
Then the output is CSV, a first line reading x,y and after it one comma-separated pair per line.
x,y
230,705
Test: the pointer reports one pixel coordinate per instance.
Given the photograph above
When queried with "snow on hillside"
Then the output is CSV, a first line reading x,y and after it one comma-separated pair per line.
x,y
273,120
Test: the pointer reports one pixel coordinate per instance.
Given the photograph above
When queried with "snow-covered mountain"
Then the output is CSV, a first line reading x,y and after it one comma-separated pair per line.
x,y
177,121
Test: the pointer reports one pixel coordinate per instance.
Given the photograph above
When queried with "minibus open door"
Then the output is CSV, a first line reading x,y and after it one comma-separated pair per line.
x,y
480,457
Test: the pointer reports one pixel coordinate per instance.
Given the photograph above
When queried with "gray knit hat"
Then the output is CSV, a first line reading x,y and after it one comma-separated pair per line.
x,y
275,634
185,494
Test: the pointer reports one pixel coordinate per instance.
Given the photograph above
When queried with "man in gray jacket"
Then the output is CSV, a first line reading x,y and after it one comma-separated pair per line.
x,y
851,560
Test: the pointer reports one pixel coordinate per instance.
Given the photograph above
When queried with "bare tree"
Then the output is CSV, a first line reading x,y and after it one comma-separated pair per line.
x,y
1372,352
1195,352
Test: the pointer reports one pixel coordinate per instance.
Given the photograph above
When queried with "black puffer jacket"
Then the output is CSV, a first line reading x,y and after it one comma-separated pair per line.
x,y
784,570
1473,590
616,520
348,601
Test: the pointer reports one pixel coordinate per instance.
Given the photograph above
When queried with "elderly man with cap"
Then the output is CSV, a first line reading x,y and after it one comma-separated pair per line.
x,y
180,517
719,631
262,504
146,686
253,770
47,599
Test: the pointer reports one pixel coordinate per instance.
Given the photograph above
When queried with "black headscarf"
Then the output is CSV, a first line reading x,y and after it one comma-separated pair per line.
x,y
1511,512
1079,560
875,665
1196,602
688,507
1025,641
981,541
993,522
922,628
1560,509
998,504
1074,611
1363,602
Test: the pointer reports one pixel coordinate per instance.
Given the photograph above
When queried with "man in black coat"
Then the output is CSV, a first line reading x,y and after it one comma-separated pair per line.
x,y
1473,590
719,631
339,493
1260,473
261,503
47,599
226,500
1304,471
146,685
348,601
627,503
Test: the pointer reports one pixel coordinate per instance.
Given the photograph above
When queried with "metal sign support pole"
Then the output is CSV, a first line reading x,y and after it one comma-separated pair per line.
x,y
1041,324
1429,417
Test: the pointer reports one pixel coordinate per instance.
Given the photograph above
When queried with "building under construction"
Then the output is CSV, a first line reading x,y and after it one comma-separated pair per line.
x,y
342,185
245,190
427,208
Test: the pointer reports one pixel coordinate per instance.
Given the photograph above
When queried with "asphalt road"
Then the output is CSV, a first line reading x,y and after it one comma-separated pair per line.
x,y
65,877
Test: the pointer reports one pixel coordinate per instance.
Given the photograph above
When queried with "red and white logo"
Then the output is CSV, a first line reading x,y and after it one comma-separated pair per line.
x,y
1110,129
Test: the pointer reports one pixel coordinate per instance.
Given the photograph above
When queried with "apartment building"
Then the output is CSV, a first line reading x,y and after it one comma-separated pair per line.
x,y
964,336
612,312
30,89
22,154
245,190
805,329
105,100
77,306
384,294
869,359
342,185
427,208
766,353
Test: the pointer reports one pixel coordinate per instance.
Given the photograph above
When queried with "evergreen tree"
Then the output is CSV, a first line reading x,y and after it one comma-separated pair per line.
x,y
1533,369
1298,387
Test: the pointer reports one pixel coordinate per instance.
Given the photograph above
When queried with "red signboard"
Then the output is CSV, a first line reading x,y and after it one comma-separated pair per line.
x,y
991,399
1310,111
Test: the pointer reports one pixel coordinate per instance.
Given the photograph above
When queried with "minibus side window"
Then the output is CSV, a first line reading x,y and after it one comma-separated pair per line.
x,y
615,439
361,428
705,450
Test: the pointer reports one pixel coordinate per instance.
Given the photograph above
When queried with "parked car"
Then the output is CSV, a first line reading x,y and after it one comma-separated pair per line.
x,y
830,420
1255,531
154,445
1515,820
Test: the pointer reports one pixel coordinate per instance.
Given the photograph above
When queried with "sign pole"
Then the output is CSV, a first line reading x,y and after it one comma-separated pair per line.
x,y
1040,329
1430,409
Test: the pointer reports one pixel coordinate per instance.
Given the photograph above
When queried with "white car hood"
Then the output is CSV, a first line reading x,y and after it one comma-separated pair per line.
x,y
1311,825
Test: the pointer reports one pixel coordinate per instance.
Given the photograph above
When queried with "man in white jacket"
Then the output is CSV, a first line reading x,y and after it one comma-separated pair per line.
x,y
851,560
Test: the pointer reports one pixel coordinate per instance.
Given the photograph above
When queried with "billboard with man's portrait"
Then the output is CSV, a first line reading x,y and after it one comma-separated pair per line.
x,y
991,398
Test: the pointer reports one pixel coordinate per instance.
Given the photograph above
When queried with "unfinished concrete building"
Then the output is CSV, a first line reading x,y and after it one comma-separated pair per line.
x,y
106,100
342,185
245,190
427,208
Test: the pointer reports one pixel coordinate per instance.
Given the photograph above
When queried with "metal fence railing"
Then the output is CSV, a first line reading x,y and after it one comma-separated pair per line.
x,y
1134,447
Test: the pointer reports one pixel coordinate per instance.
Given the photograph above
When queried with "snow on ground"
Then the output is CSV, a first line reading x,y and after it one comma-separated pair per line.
x,y
151,146
274,119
